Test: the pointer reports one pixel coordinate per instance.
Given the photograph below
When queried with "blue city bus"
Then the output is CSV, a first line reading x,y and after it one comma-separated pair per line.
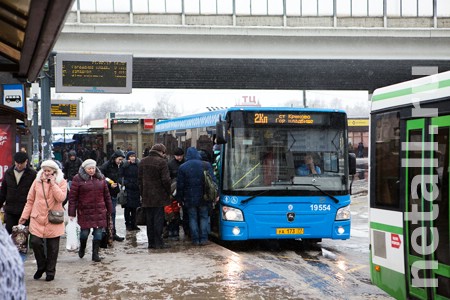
x,y
266,191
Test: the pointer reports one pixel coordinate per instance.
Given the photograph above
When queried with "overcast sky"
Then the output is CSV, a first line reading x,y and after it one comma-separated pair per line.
x,y
196,101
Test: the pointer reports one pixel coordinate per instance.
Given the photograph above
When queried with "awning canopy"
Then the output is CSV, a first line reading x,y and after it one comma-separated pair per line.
x,y
62,141
29,30
8,111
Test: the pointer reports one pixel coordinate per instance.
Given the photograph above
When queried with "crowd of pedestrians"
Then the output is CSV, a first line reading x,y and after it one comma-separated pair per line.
x,y
169,192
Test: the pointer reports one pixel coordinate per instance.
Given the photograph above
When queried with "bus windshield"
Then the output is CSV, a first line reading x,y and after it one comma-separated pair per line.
x,y
265,152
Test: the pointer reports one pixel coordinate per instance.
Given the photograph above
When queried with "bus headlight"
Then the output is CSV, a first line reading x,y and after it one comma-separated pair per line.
x,y
343,213
232,214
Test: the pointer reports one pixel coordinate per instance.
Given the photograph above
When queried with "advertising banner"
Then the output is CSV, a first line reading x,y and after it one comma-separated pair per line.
x,y
6,144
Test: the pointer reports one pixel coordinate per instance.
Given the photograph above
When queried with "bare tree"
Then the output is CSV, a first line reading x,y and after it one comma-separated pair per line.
x,y
293,103
165,109
358,110
100,110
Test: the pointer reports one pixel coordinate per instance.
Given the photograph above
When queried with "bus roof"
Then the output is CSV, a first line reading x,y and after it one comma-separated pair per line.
x,y
210,118
408,92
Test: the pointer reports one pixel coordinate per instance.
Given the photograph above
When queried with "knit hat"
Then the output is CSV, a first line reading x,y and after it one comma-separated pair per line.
x,y
159,147
20,157
130,153
89,163
72,153
178,151
50,164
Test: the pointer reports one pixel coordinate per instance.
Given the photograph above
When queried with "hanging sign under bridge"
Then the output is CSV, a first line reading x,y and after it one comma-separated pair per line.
x,y
93,73
65,110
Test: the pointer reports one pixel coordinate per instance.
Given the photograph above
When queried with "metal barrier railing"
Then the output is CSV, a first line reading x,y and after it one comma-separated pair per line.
x,y
431,9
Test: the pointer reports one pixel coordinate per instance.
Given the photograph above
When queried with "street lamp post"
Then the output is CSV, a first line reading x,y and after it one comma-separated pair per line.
x,y
45,114
35,100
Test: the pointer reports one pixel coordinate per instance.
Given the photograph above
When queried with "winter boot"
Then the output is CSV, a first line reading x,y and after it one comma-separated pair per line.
x,y
82,249
95,248
116,237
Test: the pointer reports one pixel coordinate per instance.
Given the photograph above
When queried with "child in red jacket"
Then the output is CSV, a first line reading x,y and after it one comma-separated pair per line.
x,y
172,215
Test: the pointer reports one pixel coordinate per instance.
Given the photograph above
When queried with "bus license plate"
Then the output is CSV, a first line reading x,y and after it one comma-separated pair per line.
x,y
290,230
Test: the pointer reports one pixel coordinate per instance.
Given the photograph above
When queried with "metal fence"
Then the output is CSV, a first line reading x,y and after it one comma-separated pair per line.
x,y
299,8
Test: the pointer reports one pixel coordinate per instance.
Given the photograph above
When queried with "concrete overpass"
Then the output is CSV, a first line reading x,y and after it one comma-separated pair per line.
x,y
264,52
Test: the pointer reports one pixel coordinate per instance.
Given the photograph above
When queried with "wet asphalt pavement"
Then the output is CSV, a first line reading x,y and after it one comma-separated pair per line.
x,y
252,270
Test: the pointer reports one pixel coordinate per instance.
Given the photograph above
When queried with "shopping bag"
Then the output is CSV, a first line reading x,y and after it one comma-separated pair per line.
x,y
72,235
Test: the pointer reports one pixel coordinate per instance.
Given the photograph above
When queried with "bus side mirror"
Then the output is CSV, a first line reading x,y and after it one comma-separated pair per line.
x,y
220,132
352,163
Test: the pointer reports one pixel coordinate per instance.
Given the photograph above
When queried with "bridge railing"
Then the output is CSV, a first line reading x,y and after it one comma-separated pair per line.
x,y
285,13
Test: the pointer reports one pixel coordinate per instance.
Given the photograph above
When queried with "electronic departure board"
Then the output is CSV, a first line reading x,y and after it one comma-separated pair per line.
x,y
93,73
287,118
65,110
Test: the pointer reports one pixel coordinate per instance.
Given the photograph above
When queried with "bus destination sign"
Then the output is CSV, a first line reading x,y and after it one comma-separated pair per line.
x,y
93,73
64,110
261,118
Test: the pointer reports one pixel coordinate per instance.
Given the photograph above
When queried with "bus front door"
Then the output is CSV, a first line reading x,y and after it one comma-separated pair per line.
x,y
427,224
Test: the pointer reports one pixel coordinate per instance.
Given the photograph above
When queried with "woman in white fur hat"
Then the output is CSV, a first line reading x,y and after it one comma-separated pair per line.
x,y
51,185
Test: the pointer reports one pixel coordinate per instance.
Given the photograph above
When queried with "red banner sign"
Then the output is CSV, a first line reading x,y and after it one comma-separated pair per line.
x,y
149,123
395,240
6,140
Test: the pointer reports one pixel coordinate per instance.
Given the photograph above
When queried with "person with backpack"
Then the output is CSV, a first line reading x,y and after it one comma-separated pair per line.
x,y
190,188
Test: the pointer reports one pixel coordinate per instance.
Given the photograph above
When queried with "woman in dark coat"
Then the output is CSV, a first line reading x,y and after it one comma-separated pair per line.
x,y
90,201
129,174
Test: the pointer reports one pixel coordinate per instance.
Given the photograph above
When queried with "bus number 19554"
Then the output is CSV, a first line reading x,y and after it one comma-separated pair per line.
x,y
320,207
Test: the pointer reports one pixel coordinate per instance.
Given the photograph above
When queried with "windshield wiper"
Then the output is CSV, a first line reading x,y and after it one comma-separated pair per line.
x,y
253,197
336,200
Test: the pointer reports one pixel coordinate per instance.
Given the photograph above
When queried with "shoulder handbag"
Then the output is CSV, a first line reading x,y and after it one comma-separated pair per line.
x,y
122,196
54,216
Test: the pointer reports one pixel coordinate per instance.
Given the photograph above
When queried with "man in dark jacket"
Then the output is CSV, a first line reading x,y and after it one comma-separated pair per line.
x,y
15,186
190,185
111,171
154,184
176,162
71,166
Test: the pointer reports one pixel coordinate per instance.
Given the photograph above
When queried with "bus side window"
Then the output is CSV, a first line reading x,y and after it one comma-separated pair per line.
x,y
388,160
